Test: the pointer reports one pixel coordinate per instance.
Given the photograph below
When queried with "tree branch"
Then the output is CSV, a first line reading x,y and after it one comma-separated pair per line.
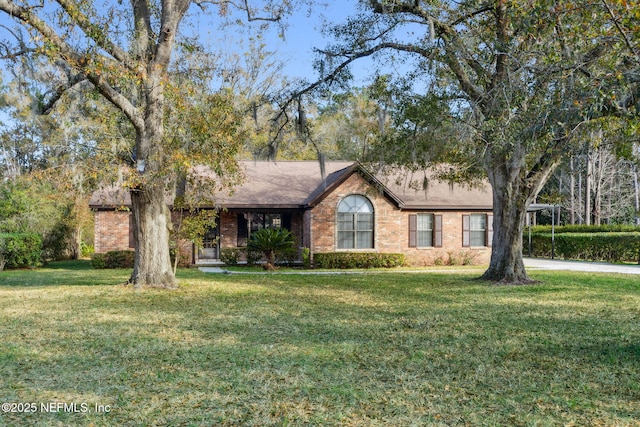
x,y
395,6
452,46
621,30
502,38
142,28
243,5
68,54
97,34
351,57
59,91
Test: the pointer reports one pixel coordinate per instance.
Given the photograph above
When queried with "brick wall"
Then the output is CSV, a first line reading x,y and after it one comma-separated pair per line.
x,y
452,251
391,229
111,230
316,229
228,222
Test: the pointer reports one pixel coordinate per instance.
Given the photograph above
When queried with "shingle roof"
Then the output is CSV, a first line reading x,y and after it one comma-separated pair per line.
x,y
283,184
299,184
422,191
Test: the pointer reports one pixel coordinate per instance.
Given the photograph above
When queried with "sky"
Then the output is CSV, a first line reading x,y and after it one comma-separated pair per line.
x,y
295,49
304,33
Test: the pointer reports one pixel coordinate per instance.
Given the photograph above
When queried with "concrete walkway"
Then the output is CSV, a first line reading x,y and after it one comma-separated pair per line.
x,y
530,264
596,267
326,272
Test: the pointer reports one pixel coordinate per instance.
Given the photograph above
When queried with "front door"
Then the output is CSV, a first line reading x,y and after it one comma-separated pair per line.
x,y
210,245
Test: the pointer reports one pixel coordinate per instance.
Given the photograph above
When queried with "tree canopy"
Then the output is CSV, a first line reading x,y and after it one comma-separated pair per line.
x,y
124,55
520,80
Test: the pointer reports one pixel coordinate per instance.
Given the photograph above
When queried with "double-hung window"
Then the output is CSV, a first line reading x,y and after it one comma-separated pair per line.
x,y
477,230
355,223
425,230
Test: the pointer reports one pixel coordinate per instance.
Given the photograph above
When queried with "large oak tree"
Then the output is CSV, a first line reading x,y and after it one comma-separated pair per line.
x,y
525,76
124,50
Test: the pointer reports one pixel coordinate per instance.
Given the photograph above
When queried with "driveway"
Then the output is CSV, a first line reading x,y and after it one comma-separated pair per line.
x,y
596,267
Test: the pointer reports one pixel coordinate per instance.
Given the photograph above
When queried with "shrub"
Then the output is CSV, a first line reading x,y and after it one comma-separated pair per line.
x,y
454,258
230,256
469,257
561,229
20,250
57,242
306,257
438,260
271,242
98,261
86,250
113,259
591,246
357,260
253,256
287,256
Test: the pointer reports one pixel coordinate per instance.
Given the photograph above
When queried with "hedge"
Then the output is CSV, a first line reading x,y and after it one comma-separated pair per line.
x,y
590,246
113,259
357,260
561,229
18,250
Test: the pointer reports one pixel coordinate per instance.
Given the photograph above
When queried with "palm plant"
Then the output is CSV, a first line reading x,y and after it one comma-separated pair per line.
x,y
270,241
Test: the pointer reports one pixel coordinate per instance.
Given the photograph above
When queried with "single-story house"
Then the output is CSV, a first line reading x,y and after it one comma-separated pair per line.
x,y
345,207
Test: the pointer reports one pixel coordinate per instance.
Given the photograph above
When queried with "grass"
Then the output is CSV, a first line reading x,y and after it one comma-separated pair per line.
x,y
355,350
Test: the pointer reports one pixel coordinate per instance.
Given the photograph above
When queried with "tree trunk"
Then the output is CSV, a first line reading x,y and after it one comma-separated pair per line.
x,y
76,242
509,215
514,189
572,192
598,171
152,219
152,266
587,191
636,193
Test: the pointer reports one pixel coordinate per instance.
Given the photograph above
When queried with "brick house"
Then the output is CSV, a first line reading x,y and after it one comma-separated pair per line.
x,y
350,209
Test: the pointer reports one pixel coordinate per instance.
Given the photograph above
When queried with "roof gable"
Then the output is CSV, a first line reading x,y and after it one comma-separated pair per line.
x,y
334,180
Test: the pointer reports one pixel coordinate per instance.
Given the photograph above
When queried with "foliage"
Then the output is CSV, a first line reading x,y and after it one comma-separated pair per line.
x,y
253,256
98,261
190,225
561,229
19,250
599,183
466,257
306,258
168,116
272,242
30,204
505,87
231,256
25,203
390,348
288,256
3,259
357,260
113,259
589,246
86,250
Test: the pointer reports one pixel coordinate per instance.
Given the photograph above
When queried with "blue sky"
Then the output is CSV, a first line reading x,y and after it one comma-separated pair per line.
x,y
303,34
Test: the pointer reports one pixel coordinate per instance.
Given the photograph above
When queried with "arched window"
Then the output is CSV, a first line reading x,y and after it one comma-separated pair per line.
x,y
355,223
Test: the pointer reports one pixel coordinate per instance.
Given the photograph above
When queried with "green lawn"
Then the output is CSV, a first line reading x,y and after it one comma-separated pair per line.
x,y
381,349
